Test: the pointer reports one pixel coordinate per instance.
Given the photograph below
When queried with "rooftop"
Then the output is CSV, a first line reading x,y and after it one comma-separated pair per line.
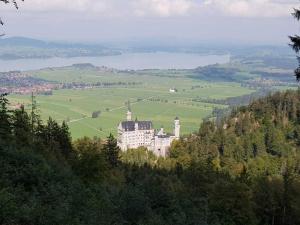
x,y
142,125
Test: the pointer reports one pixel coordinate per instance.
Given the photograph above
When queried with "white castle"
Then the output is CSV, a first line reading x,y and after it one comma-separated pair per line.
x,y
134,134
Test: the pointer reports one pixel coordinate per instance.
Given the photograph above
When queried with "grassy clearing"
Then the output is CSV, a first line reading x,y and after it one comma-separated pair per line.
x,y
150,100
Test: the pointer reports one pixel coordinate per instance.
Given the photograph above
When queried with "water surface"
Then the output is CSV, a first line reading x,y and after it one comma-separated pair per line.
x,y
134,61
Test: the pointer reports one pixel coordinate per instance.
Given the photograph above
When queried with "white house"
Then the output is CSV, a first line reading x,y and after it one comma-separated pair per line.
x,y
173,90
134,134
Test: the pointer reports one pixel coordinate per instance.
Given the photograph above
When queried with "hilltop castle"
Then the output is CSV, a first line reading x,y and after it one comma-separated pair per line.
x,y
134,134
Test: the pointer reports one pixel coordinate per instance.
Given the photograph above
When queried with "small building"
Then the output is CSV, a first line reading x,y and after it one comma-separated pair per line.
x,y
173,90
134,134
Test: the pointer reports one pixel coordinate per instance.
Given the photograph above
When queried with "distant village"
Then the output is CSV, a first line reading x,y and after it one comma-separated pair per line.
x,y
24,83
17,82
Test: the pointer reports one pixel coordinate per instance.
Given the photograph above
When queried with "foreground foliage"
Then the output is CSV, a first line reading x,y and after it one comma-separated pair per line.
x,y
244,171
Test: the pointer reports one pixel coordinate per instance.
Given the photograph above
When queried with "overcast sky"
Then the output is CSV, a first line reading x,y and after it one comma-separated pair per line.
x,y
228,21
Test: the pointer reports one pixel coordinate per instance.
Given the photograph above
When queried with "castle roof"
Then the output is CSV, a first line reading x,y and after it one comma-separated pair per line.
x,y
142,125
163,136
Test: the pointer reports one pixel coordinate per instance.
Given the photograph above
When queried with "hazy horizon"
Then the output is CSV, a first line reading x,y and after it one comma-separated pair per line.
x,y
172,22
154,42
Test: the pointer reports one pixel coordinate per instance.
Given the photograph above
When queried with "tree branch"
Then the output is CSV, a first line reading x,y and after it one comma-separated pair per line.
x,y
295,43
296,14
15,4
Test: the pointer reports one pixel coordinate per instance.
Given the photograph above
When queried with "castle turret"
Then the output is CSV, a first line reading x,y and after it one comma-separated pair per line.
x,y
177,128
129,115
136,124
161,132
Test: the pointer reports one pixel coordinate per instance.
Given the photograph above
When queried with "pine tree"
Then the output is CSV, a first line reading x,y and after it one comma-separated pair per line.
x,y
296,44
111,151
5,120
65,140
89,157
35,117
50,134
21,127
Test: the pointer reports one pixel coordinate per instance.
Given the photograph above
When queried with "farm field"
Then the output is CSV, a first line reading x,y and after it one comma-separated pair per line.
x,y
150,100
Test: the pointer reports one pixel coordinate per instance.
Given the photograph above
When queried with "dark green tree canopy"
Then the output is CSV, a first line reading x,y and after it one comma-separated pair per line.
x,y
247,172
111,151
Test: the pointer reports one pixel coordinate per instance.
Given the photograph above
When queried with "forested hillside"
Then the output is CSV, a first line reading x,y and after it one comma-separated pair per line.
x,y
243,171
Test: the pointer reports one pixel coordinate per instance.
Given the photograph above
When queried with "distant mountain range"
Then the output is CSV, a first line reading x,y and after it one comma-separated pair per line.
x,y
23,47
24,41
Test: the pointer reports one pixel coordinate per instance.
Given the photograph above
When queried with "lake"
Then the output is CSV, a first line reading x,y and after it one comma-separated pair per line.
x,y
132,61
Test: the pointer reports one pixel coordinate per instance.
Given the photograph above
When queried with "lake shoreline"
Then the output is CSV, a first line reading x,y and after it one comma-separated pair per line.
x,y
125,61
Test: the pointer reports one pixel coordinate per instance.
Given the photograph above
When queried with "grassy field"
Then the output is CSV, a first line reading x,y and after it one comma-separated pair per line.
x,y
150,100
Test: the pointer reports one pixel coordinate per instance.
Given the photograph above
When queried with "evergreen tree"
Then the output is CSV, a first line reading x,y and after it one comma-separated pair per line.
x,y
49,134
21,127
55,137
296,44
5,120
217,176
65,140
34,116
111,151
89,157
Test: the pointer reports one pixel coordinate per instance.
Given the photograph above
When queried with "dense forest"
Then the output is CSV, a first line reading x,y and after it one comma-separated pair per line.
x,y
244,170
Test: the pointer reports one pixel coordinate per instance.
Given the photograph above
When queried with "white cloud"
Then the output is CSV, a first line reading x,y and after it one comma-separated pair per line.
x,y
166,8
65,5
253,8
112,7
162,7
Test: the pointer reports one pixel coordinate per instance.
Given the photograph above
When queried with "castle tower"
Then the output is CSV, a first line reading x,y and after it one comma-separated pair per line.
x,y
129,115
136,124
177,128
161,132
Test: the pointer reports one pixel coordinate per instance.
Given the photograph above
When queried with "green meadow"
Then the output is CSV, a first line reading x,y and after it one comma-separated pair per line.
x,y
150,99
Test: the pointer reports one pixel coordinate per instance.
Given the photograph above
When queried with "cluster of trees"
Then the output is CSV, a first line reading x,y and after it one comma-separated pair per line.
x,y
200,86
258,147
279,76
98,84
244,171
157,99
96,114
47,179
216,73
235,101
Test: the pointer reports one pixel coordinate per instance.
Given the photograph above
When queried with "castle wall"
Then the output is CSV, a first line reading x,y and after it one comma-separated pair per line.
x,y
134,137
161,145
